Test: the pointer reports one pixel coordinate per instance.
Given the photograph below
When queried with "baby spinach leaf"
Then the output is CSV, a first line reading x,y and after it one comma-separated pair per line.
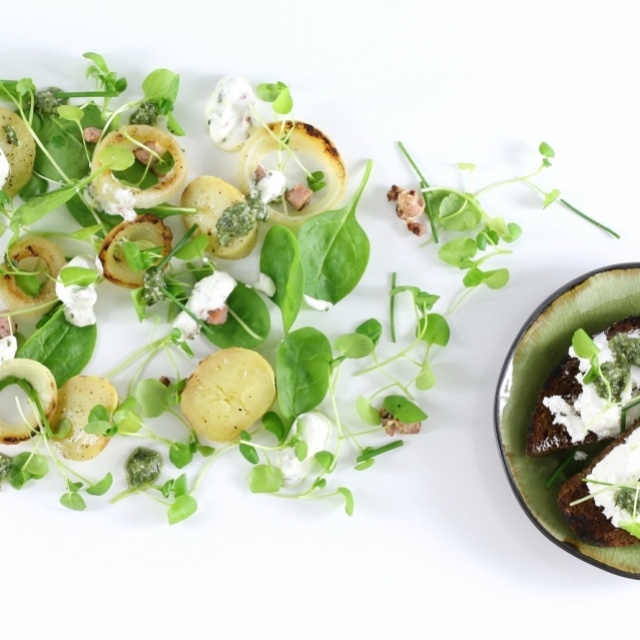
x,y
247,324
335,250
303,367
280,260
62,347
265,479
63,140
87,218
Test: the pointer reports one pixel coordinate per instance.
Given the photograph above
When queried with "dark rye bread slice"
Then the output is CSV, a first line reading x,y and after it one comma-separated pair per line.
x,y
544,436
586,518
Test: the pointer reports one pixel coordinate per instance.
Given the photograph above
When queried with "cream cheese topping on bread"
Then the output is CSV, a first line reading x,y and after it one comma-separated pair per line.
x,y
590,412
621,466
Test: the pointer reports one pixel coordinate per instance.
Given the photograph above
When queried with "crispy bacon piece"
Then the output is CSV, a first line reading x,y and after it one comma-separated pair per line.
x,y
393,426
91,134
218,316
298,197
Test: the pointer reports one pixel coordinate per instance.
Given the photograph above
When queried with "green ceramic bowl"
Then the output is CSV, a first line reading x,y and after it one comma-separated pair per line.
x,y
591,302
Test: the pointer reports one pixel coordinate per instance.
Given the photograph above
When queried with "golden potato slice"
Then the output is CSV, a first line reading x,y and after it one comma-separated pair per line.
x,y
76,398
211,196
147,231
19,147
36,255
228,391
42,382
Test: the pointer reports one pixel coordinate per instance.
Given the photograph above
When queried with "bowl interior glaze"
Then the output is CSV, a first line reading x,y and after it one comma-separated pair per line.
x,y
592,302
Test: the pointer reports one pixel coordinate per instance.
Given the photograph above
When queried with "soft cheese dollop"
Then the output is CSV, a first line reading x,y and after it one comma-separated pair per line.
x,y
229,113
8,348
79,300
271,185
315,429
590,411
117,203
208,294
620,466
318,305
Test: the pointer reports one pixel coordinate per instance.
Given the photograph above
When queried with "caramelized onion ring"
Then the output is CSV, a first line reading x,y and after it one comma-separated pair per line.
x,y
106,185
43,383
311,144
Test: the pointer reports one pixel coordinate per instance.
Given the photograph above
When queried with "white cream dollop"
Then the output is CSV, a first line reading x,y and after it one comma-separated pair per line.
x,y
315,429
208,294
271,185
590,411
8,348
117,203
265,284
229,112
318,305
79,300
5,169
620,466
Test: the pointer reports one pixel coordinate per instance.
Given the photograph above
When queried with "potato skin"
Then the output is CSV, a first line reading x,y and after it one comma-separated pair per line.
x,y
227,392
21,156
211,196
76,398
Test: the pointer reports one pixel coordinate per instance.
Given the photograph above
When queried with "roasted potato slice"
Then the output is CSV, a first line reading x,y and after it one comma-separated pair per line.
x,y
37,255
19,148
76,398
146,231
44,385
228,391
211,196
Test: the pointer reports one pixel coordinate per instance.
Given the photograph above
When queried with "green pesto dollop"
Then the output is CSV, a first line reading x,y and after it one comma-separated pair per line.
x,y
240,218
617,375
625,349
142,467
153,286
5,466
628,498
146,113
46,102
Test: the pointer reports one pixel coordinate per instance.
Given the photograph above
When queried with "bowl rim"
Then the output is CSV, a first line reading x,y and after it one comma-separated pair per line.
x,y
533,317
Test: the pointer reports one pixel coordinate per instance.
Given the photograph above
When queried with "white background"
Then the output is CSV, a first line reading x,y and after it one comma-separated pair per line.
x,y
438,543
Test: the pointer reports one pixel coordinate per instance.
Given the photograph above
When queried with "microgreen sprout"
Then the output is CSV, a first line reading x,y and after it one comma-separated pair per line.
x,y
477,236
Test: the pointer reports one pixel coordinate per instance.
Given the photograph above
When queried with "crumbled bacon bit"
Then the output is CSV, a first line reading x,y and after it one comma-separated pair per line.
x,y
298,197
147,153
218,316
259,173
165,381
417,228
91,134
410,204
393,193
393,426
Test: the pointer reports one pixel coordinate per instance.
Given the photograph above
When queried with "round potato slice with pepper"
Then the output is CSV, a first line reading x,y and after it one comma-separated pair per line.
x,y
29,272
33,378
19,148
147,232
76,399
214,199
228,391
